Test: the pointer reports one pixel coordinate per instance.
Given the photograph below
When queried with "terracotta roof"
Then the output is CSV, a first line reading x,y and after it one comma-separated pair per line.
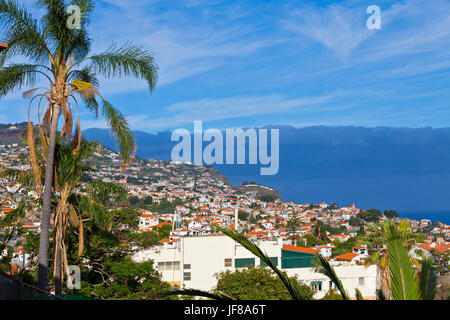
x,y
347,256
442,248
3,46
300,249
424,246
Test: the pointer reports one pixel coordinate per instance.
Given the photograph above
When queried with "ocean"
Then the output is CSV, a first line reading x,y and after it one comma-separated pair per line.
x,y
437,216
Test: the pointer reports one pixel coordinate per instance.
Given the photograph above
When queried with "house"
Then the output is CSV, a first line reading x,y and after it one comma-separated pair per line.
x,y
419,252
147,221
20,258
325,251
340,237
360,250
350,257
3,46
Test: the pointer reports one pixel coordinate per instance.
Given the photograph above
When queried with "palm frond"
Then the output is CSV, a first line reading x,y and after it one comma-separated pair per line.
x,y
403,278
358,294
128,61
86,75
13,77
23,34
324,267
64,41
121,130
101,217
380,295
427,279
199,293
290,285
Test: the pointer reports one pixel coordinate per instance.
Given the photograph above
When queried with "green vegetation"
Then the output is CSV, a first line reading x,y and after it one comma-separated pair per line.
x,y
372,215
267,198
258,283
390,214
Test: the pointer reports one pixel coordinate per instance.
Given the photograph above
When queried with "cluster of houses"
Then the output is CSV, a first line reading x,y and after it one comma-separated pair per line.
x,y
206,199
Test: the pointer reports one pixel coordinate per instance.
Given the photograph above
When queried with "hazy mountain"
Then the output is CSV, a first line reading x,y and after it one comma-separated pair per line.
x,y
399,168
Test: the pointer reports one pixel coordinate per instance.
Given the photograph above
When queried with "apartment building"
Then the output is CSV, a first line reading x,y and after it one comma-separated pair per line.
x,y
193,262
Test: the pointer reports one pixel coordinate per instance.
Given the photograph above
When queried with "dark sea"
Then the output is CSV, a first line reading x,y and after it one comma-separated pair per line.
x,y
439,216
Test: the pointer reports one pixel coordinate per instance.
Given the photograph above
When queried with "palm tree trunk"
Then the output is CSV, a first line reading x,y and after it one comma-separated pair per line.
x,y
47,197
57,265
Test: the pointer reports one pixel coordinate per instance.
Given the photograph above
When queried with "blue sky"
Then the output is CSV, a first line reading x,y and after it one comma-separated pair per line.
x,y
254,63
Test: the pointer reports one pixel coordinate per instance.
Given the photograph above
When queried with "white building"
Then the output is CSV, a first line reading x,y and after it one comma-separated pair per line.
x,y
148,220
325,251
193,262
20,258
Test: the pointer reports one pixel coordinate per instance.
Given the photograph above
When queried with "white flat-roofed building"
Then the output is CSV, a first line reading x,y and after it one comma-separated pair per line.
x,y
193,262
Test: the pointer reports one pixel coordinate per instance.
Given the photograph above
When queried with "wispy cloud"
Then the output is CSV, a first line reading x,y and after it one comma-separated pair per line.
x,y
184,43
338,28
220,109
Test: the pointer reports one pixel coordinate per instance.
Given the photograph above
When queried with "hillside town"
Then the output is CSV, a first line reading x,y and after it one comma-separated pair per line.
x,y
202,199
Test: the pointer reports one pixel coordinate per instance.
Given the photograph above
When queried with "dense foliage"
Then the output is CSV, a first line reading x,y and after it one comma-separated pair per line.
x,y
257,283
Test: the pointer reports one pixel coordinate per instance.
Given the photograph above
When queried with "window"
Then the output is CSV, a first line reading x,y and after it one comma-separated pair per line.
x,y
244,263
187,276
170,265
161,266
228,263
361,281
187,266
317,285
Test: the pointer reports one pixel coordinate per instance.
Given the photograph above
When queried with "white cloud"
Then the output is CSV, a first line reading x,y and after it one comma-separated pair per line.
x,y
220,109
338,28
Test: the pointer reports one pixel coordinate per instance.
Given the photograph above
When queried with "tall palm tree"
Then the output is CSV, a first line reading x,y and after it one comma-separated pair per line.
x,y
60,55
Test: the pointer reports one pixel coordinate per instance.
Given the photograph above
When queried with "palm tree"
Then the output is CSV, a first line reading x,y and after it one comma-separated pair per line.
x,y
73,209
60,55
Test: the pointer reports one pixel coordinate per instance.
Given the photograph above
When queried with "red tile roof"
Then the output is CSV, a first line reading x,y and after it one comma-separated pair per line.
x,y
347,256
424,246
442,248
3,46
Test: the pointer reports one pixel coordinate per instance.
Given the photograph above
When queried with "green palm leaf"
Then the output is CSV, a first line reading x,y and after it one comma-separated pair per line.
x,y
120,128
128,61
358,294
200,293
290,285
23,35
15,76
403,278
427,280
324,267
